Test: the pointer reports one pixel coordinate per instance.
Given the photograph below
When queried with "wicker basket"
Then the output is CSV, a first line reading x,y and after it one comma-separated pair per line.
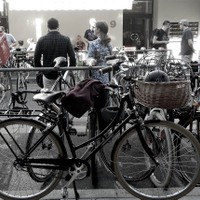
x,y
168,95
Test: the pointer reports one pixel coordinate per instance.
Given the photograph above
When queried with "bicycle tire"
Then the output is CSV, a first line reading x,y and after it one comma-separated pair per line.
x,y
35,176
129,158
15,180
195,130
160,143
68,81
5,90
106,151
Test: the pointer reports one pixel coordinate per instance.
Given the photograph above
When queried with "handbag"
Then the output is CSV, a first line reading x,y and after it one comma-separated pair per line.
x,y
39,79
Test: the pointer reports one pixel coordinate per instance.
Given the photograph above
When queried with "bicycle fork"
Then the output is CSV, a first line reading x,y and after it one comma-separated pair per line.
x,y
145,146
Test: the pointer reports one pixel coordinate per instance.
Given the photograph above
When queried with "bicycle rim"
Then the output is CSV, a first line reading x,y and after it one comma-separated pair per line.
x,y
129,159
195,130
15,180
160,142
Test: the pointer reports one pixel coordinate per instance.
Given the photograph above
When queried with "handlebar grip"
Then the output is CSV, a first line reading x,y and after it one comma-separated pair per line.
x,y
105,70
112,57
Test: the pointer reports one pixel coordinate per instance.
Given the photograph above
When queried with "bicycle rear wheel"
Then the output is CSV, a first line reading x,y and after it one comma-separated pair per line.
x,y
194,127
129,159
68,81
16,182
5,90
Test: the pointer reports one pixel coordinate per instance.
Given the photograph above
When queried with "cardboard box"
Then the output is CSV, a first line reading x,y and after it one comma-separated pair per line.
x,y
4,50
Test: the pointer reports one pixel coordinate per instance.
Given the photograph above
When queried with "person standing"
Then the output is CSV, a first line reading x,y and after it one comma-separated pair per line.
x,y
31,45
79,44
12,42
90,33
30,49
187,49
161,38
99,49
51,46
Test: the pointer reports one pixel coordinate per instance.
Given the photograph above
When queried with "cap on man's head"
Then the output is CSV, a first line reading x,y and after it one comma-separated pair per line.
x,y
166,22
52,24
184,22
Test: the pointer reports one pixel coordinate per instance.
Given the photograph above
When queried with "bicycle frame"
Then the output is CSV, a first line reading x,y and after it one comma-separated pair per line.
x,y
61,78
63,164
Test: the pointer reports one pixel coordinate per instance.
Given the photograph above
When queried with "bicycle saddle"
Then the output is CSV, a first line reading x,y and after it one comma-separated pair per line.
x,y
48,98
58,61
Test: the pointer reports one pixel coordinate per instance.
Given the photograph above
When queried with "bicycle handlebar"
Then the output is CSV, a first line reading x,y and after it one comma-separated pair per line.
x,y
111,57
110,68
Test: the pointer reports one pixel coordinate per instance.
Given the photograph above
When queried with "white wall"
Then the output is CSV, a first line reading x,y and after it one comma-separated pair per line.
x,y
72,23
175,10
22,23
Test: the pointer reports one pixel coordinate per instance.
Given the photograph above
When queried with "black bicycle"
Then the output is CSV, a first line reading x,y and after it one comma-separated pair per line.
x,y
35,157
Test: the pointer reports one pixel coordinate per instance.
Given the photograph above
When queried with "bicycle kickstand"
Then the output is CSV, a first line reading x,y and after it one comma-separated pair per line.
x,y
77,196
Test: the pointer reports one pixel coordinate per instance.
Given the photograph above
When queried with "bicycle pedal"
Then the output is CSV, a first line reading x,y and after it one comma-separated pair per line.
x,y
72,131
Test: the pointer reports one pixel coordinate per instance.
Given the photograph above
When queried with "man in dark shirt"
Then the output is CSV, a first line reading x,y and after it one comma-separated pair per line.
x,y
187,49
51,46
89,33
161,39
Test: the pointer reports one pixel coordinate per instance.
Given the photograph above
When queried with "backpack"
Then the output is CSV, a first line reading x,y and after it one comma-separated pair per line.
x,y
152,35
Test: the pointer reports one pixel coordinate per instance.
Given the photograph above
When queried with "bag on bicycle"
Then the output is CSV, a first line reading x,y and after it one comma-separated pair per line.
x,y
39,79
85,94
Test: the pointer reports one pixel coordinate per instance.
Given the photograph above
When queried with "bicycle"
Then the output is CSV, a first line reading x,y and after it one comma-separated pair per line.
x,y
64,81
36,164
187,116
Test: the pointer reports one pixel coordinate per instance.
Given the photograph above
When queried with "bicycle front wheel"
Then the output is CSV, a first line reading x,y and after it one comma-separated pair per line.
x,y
129,159
17,181
160,142
68,81
194,127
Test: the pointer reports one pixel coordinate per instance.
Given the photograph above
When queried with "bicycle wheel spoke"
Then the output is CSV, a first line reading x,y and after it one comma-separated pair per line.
x,y
26,182
166,180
